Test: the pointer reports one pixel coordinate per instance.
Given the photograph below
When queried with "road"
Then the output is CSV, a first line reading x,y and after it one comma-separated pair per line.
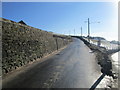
x,y
73,67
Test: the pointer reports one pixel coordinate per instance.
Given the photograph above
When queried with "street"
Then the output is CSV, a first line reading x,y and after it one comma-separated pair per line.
x,y
73,67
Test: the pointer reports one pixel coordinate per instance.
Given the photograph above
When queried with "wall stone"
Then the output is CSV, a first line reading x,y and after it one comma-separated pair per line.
x,y
22,44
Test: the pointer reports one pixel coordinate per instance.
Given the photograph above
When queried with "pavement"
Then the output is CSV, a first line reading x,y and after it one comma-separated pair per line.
x,y
73,67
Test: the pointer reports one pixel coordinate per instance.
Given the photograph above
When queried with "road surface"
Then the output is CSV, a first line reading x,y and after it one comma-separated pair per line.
x,y
73,67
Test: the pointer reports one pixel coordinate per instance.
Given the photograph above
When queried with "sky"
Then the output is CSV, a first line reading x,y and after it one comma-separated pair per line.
x,y
66,17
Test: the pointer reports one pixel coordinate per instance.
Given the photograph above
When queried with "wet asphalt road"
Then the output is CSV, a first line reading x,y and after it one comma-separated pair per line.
x,y
73,67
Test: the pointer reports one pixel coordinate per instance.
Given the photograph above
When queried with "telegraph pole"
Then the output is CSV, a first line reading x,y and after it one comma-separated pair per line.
x,y
74,32
88,30
81,31
69,32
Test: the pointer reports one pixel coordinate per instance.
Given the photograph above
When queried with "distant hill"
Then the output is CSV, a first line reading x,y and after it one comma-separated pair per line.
x,y
98,38
115,42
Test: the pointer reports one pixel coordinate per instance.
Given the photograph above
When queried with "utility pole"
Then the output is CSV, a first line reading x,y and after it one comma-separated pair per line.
x,y
81,31
88,30
74,32
69,32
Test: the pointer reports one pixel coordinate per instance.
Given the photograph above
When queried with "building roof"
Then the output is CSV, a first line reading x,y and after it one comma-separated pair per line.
x,y
22,22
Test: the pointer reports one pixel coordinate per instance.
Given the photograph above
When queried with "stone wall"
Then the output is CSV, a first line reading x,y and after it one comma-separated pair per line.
x,y
22,44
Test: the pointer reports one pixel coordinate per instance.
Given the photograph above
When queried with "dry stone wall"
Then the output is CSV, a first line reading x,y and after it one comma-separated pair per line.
x,y
22,44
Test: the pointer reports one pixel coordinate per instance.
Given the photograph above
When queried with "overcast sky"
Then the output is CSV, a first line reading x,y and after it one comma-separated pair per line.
x,y
64,17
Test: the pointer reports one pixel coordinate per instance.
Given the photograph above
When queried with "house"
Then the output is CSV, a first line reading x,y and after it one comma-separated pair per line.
x,y
22,22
